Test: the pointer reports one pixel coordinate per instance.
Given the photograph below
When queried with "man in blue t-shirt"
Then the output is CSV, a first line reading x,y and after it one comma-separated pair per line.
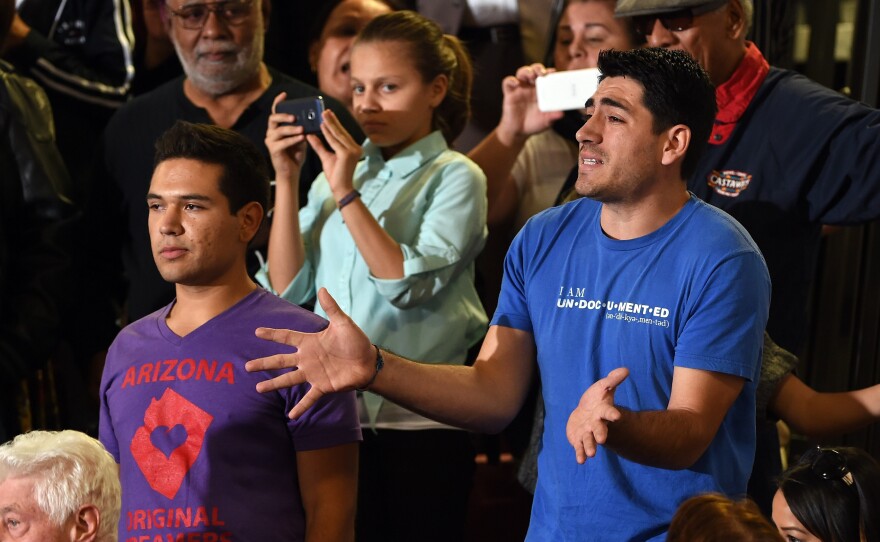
x,y
643,307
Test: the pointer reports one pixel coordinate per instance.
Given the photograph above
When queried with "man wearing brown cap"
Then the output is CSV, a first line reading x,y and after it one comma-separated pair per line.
x,y
785,156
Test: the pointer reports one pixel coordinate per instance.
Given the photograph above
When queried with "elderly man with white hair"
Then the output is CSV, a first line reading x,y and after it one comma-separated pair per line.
x,y
58,487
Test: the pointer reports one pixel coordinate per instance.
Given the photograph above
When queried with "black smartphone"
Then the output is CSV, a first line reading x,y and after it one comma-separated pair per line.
x,y
308,112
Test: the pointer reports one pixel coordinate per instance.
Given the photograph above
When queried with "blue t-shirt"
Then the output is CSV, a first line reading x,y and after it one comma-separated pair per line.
x,y
694,293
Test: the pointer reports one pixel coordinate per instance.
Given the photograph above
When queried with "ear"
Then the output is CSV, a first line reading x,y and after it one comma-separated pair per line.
x,y
85,525
250,216
165,15
678,138
266,7
735,22
314,49
439,86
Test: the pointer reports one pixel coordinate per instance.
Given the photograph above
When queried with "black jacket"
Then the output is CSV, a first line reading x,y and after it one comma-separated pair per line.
x,y
33,214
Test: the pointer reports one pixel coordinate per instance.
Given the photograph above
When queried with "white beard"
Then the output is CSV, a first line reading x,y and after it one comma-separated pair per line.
x,y
245,68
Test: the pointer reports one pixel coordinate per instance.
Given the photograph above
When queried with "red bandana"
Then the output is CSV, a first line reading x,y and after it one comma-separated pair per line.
x,y
734,95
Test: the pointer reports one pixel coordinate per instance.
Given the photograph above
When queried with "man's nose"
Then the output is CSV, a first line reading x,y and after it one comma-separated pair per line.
x,y
660,36
169,223
215,24
590,132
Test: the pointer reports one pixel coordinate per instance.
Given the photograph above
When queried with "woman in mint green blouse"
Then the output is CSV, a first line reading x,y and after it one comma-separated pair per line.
x,y
393,238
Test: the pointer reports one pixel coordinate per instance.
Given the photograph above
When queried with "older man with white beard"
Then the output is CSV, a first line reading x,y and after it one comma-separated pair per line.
x,y
220,45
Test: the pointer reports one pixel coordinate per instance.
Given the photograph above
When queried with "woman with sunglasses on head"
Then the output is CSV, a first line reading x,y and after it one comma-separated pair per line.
x,y
830,495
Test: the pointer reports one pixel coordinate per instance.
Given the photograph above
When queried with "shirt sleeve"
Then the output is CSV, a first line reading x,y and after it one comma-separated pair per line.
x,y
451,235
776,363
839,151
512,309
332,421
723,331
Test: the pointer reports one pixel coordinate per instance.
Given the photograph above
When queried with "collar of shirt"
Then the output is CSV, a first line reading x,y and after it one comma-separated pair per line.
x,y
734,95
409,159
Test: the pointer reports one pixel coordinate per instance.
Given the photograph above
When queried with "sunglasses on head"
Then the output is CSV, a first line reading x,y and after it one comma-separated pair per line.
x,y
828,464
674,21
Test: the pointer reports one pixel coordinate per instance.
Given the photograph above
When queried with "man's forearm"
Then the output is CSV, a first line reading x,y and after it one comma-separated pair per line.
x,y
822,415
675,438
482,398
668,439
445,393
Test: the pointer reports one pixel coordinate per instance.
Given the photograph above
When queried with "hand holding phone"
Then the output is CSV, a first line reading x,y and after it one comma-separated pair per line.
x,y
308,112
561,91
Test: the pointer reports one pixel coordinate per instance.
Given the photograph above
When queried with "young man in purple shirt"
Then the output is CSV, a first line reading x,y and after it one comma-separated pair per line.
x,y
204,457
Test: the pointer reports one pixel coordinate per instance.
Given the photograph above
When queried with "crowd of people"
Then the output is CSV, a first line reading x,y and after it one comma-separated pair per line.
x,y
284,333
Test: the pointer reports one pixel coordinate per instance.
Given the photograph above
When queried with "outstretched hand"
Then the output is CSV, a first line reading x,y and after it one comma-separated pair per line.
x,y
587,426
339,358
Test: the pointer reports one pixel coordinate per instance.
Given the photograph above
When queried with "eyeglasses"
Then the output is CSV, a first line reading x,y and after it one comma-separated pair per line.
x,y
828,464
194,16
674,21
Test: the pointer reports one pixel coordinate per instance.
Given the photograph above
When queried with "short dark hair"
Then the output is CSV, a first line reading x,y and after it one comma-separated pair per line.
x,y
832,509
245,175
676,91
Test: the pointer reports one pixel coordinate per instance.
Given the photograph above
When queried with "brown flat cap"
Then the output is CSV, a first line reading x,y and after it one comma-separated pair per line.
x,y
630,8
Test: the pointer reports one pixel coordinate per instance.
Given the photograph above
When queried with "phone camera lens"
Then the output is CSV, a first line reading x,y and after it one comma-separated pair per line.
x,y
311,114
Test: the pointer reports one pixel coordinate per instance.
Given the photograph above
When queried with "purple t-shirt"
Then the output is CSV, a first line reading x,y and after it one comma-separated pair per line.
x,y
203,457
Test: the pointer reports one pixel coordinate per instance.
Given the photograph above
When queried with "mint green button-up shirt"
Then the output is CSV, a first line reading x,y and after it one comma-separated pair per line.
x,y
432,201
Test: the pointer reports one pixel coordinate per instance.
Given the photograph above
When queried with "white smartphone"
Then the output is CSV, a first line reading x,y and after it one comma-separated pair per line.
x,y
561,91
